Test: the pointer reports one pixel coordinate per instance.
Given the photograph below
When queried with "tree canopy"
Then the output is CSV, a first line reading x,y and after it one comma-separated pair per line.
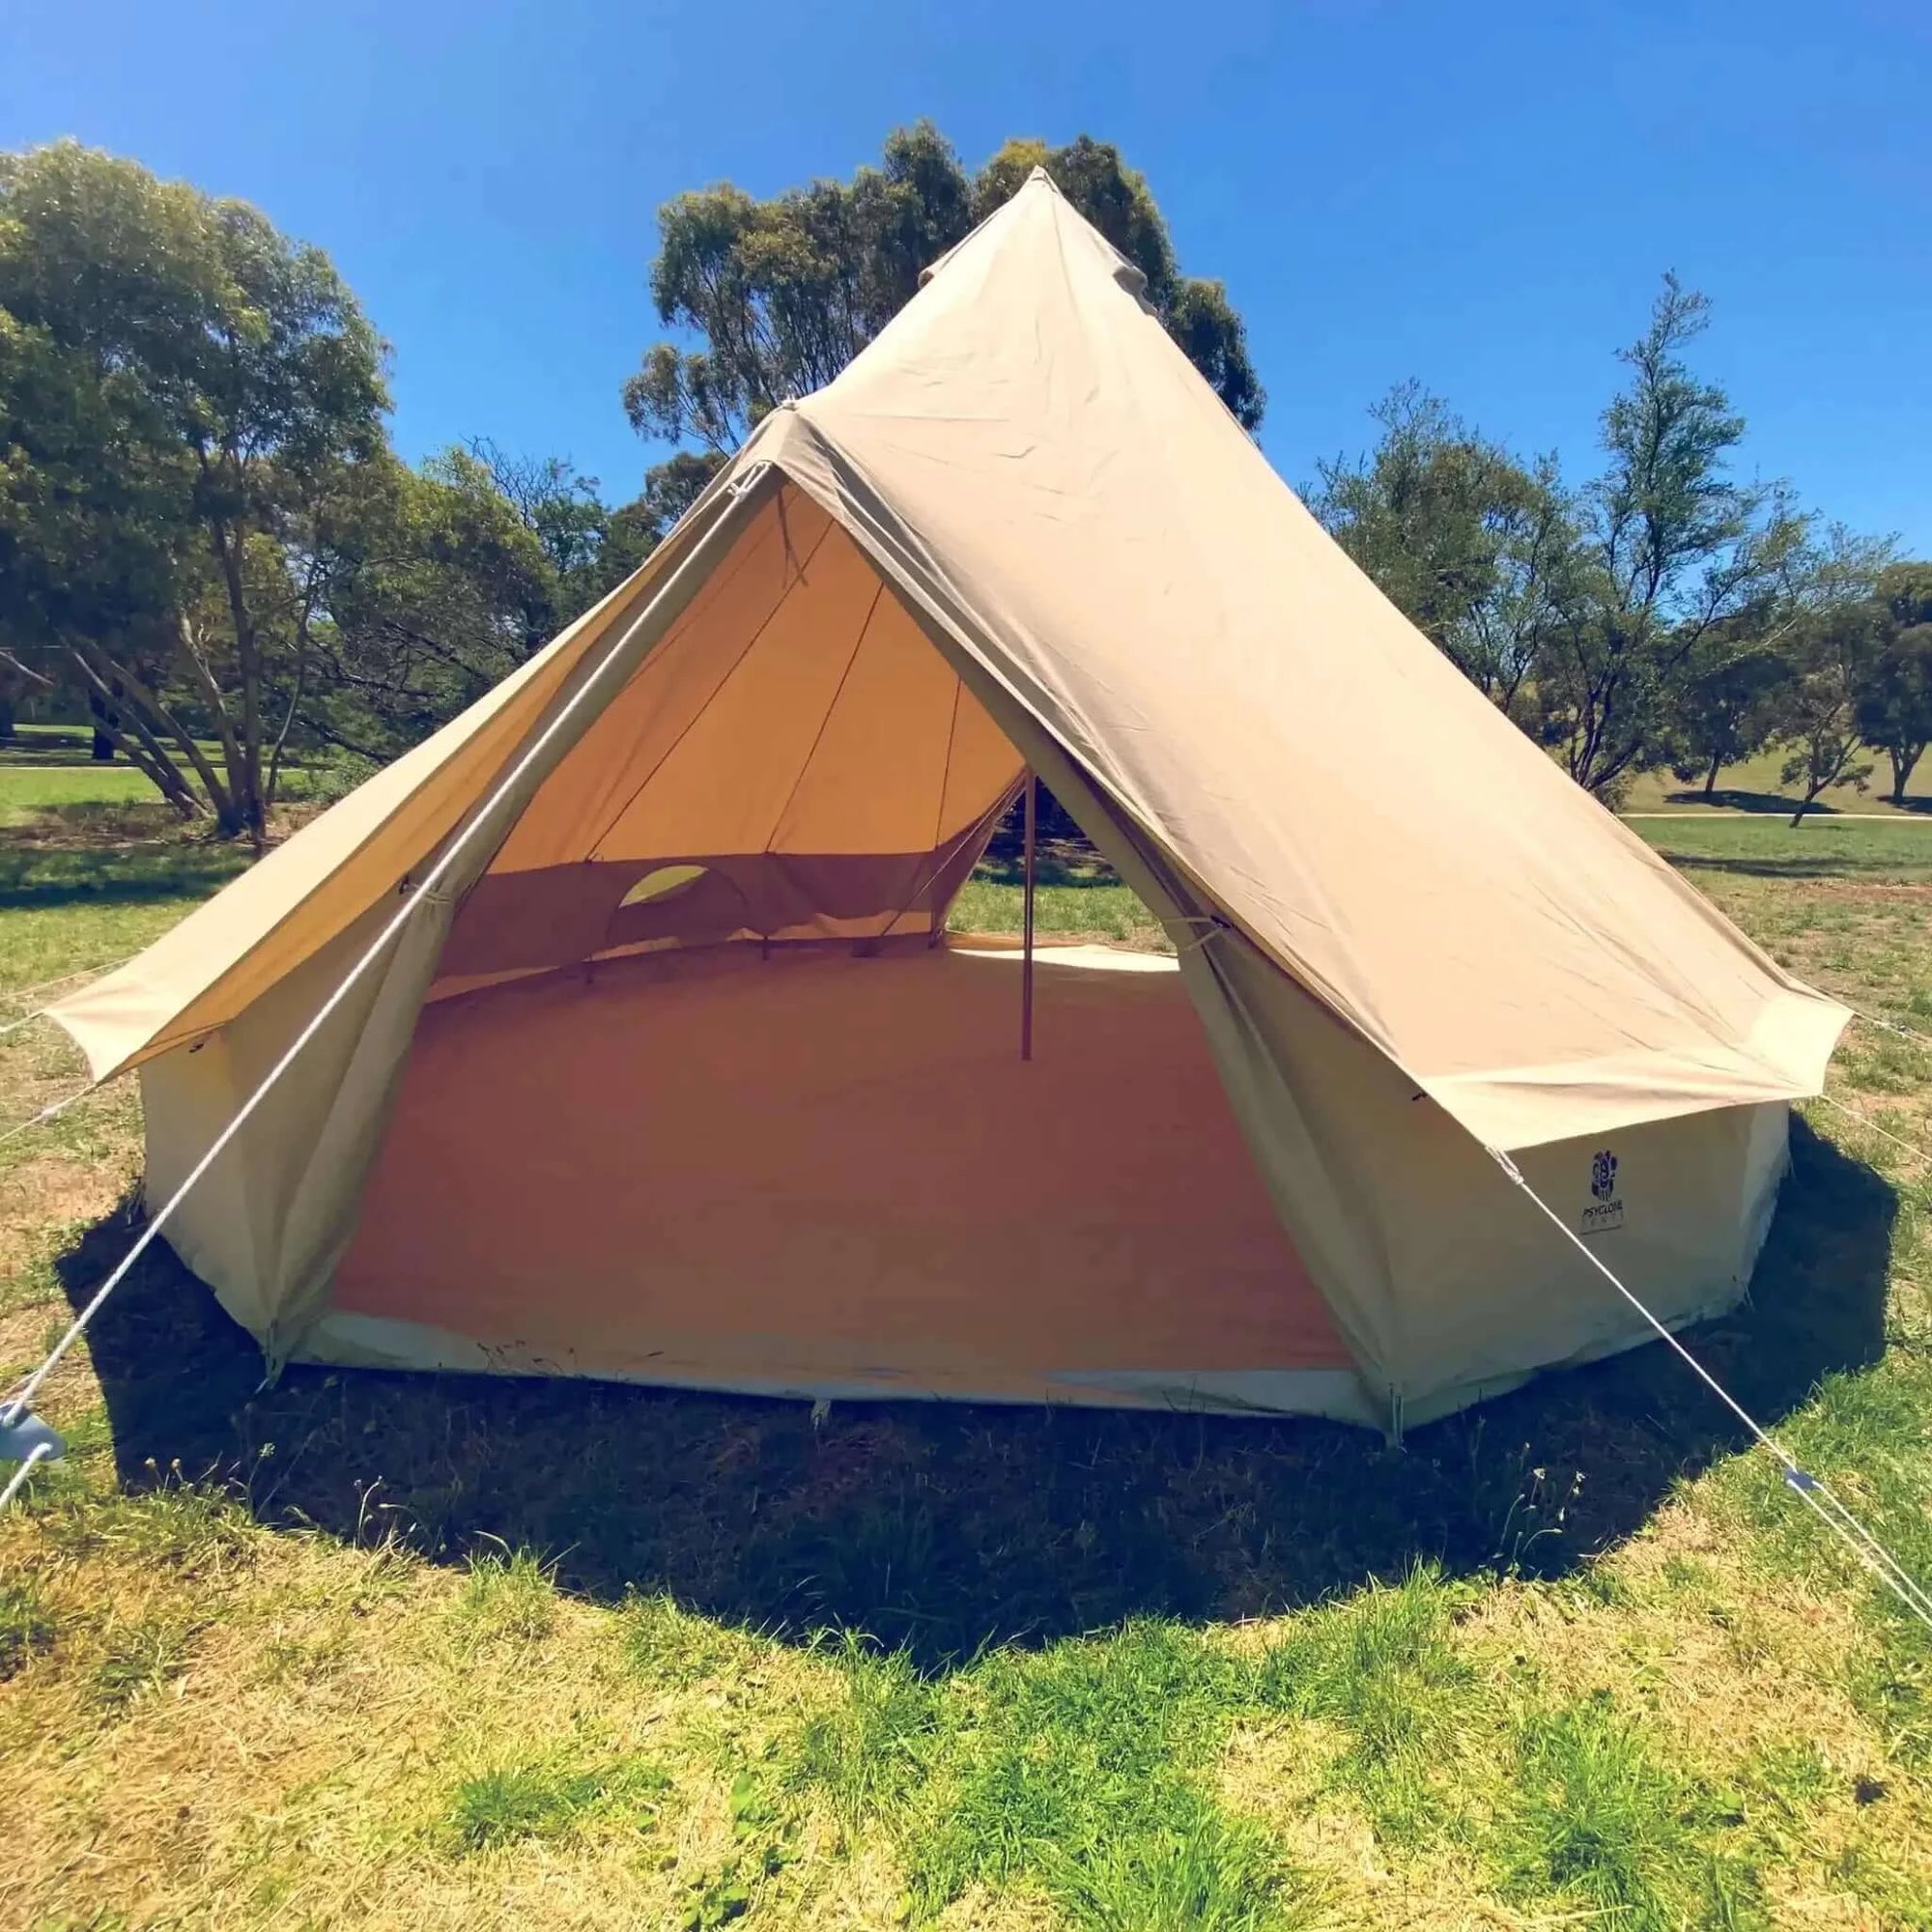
x,y
1661,613
180,386
209,548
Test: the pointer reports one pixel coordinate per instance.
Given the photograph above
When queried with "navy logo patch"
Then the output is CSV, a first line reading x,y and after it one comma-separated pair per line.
x,y
1607,1208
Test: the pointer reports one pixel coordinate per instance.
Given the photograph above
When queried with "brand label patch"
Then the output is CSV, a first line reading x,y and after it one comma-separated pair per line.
x,y
1607,1208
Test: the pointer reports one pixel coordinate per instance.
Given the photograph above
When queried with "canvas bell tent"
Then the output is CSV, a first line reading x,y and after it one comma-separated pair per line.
x,y
671,1073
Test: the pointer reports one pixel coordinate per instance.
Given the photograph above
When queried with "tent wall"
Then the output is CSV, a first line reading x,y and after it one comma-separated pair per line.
x,y
1444,1282
1464,1284
793,731
267,1223
795,735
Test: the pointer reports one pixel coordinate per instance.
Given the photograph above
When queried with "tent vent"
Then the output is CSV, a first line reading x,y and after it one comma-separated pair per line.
x,y
667,881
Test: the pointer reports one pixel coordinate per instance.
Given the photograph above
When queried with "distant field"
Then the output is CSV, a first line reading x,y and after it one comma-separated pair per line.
x,y
1820,848
24,789
27,787
1756,787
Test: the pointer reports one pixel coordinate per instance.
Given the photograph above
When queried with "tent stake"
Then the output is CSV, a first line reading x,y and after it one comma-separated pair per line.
x,y
1026,923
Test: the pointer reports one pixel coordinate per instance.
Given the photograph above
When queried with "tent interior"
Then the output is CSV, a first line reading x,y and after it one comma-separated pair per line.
x,y
699,1095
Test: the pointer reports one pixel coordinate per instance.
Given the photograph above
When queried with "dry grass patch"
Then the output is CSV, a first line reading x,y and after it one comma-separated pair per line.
x,y
289,1730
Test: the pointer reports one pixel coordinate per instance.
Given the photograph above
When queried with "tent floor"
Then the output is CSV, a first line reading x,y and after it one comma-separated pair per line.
x,y
822,1170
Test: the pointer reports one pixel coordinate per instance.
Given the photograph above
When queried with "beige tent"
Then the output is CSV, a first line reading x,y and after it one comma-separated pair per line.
x,y
672,1076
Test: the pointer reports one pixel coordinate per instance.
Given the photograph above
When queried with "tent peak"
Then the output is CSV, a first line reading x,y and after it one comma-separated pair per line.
x,y
1040,198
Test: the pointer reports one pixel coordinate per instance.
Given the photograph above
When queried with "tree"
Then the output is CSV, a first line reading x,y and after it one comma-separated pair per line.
x,y
1476,550
179,384
1835,639
432,587
783,292
1894,701
1676,553
432,584
1726,710
554,500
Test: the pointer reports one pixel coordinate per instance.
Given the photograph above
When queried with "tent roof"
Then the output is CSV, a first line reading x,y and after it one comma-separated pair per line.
x,y
1048,484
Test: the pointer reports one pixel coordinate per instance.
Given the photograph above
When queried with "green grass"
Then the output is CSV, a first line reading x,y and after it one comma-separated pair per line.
x,y
1772,849
1599,1817
1383,1667
550,1798
24,790
427,1651
1757,785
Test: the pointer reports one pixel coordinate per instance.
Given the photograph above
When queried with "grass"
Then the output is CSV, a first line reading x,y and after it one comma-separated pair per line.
x,y
417,1651
1757,785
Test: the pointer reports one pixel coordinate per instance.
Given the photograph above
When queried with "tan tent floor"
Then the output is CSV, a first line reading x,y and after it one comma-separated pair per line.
x,y
820,1169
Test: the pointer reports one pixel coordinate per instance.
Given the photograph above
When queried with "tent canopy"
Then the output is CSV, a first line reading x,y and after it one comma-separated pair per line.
x,y
1047,488
1018,530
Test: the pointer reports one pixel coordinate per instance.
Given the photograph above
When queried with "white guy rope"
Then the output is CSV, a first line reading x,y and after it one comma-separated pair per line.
x,y
1871,1552
41,1012
46,1115
728,522
18,1480
1888,1026
1872,1127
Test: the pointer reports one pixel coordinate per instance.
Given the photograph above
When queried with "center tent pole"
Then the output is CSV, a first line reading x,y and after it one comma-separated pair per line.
x,y
1026,920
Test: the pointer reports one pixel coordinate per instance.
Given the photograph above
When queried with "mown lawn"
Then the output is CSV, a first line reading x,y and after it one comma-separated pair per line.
x,y
370,1649
1757,784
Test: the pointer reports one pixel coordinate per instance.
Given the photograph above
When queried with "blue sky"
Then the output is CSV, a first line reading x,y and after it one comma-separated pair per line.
x,y
1483,197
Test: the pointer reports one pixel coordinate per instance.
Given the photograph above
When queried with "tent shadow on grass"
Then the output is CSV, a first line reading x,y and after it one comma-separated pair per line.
x,y
943,1527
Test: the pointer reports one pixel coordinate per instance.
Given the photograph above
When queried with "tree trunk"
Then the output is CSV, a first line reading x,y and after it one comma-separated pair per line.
x,y
1711,776
147,758
102,750
218,709
1903,759
133,734
126,685
249,668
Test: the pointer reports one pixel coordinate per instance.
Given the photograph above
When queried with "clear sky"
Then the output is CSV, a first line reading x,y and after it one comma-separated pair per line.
x,y
1480,196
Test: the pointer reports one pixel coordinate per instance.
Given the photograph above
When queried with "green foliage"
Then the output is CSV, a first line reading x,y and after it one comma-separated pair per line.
x,y
1893,703
435,588
178,384
1642,619
1478,552
785,292
1725,711
1673,551
1836,645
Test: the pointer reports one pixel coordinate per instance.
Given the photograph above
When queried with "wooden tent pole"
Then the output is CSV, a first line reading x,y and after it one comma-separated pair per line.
x,y
1026,922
